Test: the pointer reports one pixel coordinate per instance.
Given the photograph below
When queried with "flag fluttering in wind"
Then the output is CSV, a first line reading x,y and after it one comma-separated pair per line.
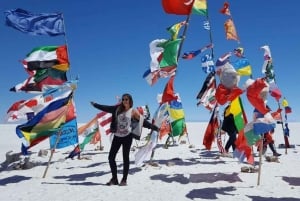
x,y
206,95
177,7
46,66
254,91
192,54
47,122
50,24
169,93
286,106
24,110
199,7
225,10
47,57
174,29
164,54
211,130
230,30
243,67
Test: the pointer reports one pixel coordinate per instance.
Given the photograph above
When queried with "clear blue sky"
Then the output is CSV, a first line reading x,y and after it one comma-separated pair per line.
x,y
109,49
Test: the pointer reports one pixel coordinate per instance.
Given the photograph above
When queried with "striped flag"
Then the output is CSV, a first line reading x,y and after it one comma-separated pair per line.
x,y
104,120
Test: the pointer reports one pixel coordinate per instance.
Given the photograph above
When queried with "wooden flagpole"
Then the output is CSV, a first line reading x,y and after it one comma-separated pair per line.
x,y
260,159
52,152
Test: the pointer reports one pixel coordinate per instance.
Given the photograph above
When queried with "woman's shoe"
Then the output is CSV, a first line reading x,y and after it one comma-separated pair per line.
x,y
123,183
112,182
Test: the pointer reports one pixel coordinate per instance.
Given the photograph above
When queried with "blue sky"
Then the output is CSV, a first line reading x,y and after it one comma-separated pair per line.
x,y
108,45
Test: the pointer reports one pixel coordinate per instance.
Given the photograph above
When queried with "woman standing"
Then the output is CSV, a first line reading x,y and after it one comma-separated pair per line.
x,y
122,116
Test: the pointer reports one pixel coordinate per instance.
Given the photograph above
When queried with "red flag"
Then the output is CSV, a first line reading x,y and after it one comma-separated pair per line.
x,y
169,93
177,7
254,95
225,10
211,130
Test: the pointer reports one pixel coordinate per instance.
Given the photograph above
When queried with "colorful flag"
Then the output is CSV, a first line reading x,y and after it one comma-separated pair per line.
x,y
192,54
168,58
104,120
169,93
177,7
207,64
230,30
151,77
225,10
206,95
239,116
65,136
76,151
206,25
164,55
211,130
199,7
239,52
177,118
251,137
47,122
50,24
287,108
254,95
89,133
174,29
24,110
42,79
47,57
243,67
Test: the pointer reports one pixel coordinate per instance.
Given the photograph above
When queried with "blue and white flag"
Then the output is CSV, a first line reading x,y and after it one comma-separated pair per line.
x,y
50,24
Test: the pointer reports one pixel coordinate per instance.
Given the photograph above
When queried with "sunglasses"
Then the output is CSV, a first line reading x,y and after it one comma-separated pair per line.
x,y
125,99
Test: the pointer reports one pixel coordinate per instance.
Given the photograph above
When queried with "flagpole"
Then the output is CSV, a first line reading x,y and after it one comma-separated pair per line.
x,y
52,152
210,32
260,159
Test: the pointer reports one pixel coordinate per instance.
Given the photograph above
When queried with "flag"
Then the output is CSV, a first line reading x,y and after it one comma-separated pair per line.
x,y
211,130
239,116
199,7
50,24
242,149
286,106
174,29
66,135
206,25
254,95
177,118
225,10
230,30
169,93
168,57
104,120
47,122
164,55
239,52
206,95
274,91
261,126
75,152
151,77
47,57
250,136
221,61
177,7
192,54
207,64
42,79
89,133
243,67
24,110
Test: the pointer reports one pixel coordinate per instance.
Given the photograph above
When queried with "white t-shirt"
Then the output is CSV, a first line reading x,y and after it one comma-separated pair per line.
x,y
124,123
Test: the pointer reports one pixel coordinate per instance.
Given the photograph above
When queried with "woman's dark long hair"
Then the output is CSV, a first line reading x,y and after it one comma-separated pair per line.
x,y
121,106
